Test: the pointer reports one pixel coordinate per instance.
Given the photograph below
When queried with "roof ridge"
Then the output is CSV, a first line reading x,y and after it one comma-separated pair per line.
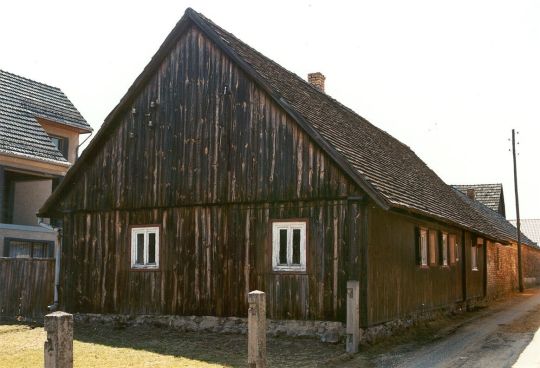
x,y
475,185
305,82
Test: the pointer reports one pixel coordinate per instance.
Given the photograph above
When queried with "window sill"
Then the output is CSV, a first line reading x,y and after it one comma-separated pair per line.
x,y
145,269
288,272
475,270
424,267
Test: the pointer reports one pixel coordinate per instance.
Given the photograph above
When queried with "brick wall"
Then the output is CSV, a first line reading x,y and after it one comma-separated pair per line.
x,y
501,269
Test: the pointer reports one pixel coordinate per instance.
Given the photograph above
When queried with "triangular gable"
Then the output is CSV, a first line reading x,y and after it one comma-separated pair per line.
x,y
191,17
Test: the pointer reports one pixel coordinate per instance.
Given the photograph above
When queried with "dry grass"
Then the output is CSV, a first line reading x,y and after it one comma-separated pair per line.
x,y
106,347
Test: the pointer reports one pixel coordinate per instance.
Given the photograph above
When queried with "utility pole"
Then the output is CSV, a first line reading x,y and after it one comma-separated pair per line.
x,y
520,267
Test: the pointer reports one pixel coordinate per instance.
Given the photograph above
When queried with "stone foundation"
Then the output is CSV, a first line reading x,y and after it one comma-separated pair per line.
x,y
326,331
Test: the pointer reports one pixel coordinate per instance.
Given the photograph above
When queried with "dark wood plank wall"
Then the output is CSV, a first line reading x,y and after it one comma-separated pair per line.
x,y
474,279
211,256
397,286
26,287
204,147
213,170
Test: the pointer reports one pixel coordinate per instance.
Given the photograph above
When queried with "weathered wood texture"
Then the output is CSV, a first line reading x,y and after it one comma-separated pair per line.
x,y
216,138
257,329
397,286
210,258
26,287
214,169
474,278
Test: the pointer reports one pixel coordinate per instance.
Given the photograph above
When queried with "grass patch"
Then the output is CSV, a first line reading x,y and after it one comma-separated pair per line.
x,y
105,346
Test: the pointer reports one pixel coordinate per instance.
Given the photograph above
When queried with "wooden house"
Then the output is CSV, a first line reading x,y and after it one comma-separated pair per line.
x,y
220,172
501,271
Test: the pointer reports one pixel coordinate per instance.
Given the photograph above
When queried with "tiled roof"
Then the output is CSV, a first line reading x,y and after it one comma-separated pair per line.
x,y
22,101
501,228
530,227
388,166
487,194
389,171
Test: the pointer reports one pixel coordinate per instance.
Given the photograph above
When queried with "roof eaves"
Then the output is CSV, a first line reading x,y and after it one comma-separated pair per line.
x,y
34,158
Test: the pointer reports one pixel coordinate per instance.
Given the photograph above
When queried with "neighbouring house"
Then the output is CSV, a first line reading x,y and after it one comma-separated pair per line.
x,y
531,258
501,272
39,135
490,195
220,172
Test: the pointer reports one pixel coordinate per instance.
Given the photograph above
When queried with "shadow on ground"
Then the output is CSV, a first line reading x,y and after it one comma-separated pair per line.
x,y
222,349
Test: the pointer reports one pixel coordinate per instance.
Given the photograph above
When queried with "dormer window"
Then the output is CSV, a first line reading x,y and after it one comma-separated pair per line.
x,y
61,144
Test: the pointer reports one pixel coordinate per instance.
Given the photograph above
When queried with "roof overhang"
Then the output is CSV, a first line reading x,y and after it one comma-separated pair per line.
x,y
64,165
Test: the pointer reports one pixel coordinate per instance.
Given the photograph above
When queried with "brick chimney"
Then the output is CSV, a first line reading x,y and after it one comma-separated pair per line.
x,y
470,193
317,80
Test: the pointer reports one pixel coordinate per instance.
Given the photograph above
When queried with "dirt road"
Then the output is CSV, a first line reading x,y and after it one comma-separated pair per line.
x,y
503,336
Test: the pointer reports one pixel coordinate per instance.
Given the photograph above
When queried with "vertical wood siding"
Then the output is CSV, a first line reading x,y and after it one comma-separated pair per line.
x,y
205,146
474,279
26,286
397,286
210,258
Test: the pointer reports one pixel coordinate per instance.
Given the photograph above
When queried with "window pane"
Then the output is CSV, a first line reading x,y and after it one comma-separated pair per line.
x,y
423,245
473,257
152,248
50,251
40,250
445,249
432,247
140,249
296,247
55,141
283,246
20,249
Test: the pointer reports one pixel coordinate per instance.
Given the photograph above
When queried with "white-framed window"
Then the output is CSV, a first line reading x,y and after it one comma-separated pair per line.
x,y
474,257
289,246
474,253
145,247
423,247
444,249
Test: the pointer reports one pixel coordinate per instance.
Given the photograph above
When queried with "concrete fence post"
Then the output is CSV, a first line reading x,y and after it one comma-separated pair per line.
x,y
353,316
58,348
257,329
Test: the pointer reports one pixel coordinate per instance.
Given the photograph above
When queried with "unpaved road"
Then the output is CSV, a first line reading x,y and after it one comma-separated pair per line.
x,y
496,338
